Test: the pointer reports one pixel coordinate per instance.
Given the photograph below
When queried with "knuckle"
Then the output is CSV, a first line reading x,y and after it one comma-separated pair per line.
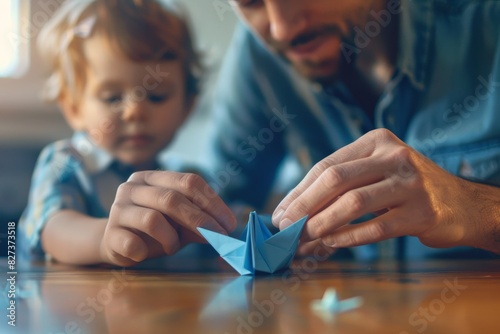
x,y
125,187
201,199
197,219
401,154
191,214
322,166
321,228
151,221
116,213
184,208
128,248
190,181
124,191
350,238
402,158
319,168
169,199
137,176
382,135
118,207
298,208
333,176
354,201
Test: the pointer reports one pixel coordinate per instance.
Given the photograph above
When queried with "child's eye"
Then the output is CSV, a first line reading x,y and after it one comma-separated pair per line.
x,y
157,98
112,99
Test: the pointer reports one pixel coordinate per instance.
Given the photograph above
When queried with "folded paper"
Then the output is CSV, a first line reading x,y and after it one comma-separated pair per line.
x,y
331,305
258,250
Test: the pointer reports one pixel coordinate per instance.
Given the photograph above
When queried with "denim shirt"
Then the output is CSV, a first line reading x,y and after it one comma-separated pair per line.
x,y
443,100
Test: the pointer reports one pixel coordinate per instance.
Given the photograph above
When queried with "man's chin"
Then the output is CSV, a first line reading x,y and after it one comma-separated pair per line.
x,y
324,73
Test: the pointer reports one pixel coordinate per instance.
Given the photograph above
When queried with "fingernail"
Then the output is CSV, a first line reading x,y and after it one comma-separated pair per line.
x,y
329,242
277,217
285,223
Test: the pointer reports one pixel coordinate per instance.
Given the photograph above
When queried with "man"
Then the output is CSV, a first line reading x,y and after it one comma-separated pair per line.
x,y
313,78
392,108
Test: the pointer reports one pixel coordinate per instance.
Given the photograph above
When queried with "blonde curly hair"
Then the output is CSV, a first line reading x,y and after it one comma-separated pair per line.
x,y
143,30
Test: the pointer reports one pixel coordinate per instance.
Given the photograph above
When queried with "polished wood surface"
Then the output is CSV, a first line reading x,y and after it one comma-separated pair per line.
x,y
418,297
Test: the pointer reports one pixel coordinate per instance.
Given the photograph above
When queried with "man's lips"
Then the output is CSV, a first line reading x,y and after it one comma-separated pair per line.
x,y
308,46
307,50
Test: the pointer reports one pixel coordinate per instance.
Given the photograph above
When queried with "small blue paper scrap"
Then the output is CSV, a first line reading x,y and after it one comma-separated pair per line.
x,y
331,305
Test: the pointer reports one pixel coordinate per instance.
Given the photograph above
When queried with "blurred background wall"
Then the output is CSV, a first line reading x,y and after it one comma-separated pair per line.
x,y
27,124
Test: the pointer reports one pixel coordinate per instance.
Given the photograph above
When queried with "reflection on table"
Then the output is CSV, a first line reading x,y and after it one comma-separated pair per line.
x,y
209,297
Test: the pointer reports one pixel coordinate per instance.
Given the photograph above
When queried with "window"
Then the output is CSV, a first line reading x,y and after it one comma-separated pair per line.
x,y
14,46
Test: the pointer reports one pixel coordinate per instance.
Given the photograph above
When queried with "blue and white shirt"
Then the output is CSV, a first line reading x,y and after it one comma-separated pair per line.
x,y
73,174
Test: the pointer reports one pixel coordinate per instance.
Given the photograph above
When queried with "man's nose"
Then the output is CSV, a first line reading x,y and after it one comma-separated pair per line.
x,y
286,19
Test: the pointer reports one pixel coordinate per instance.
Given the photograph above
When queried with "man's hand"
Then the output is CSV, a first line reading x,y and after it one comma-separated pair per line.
x,y
156,213
411,195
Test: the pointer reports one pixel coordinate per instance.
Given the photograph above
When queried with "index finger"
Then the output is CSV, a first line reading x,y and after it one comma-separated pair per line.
x,y
194,188
359,149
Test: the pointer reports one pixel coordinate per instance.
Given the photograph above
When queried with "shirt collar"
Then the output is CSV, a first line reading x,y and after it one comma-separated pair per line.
x,y
94,158
97,160
416,37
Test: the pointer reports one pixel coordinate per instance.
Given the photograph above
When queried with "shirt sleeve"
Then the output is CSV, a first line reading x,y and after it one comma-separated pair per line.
x,y
54,187
245,151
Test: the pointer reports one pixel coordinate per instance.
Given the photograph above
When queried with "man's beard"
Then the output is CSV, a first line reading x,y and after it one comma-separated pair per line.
x,y
312,70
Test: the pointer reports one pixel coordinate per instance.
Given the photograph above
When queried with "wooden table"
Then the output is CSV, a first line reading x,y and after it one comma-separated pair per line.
x,y
419,297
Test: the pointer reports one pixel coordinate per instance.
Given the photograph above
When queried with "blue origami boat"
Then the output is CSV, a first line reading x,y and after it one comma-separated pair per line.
x,y
258,250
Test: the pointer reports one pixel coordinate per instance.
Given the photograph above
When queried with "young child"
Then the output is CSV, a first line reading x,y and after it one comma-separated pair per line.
x,y
125,74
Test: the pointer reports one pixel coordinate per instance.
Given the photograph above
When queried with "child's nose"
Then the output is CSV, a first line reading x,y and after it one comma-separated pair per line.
x,y
134,111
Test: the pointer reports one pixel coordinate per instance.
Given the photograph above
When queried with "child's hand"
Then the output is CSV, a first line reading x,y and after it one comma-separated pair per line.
x,y
156,213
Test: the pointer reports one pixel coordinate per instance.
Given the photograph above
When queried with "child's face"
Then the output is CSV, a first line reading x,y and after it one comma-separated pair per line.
x,y
131,109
